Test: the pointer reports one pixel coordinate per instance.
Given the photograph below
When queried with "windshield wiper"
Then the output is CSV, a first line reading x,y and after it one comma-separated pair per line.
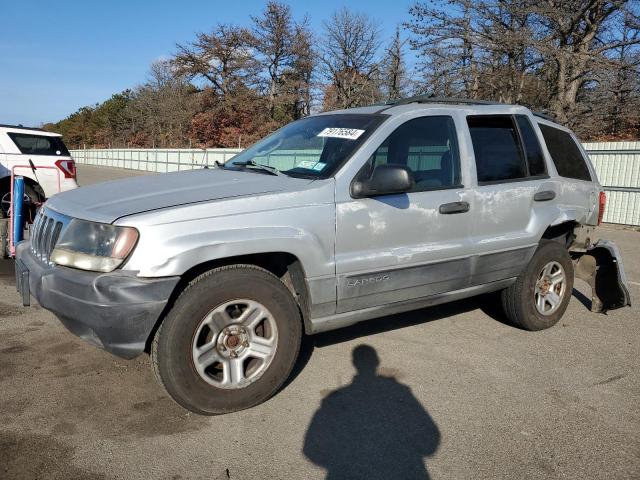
x,y
258,166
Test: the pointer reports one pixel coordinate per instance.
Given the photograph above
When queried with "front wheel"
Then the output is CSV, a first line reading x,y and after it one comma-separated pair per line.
x,y
229,342
541,293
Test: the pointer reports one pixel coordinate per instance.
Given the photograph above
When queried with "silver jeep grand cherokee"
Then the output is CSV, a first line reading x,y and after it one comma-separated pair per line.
x,y
333,219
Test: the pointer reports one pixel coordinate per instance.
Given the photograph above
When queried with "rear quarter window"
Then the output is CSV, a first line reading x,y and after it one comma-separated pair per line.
x,y
29,144
532,148
566,155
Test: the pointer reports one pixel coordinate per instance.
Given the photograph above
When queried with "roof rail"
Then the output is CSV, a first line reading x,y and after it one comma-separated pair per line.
x,y
21,127
449,100
545,116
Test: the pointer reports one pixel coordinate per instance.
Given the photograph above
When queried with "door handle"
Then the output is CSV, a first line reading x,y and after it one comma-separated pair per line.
x,y
454,207
544,196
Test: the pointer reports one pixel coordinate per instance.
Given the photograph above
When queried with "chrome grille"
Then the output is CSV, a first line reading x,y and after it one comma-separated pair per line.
x,y
45,233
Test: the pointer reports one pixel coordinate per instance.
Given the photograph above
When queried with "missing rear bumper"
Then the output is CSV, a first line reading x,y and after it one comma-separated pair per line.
x,y
600,265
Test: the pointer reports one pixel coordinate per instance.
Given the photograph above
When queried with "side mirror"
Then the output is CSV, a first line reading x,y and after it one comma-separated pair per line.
x,y
386,179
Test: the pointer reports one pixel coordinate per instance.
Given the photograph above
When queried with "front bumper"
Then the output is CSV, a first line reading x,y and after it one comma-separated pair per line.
x,y
116,311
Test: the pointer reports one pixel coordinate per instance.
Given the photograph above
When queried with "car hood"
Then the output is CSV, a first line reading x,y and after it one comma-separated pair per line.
x,y
108,201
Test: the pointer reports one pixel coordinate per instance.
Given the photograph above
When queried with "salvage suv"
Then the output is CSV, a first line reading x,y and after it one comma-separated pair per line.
x,y
334,219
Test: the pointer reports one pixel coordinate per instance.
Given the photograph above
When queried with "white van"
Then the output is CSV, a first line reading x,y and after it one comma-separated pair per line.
x,y
31,150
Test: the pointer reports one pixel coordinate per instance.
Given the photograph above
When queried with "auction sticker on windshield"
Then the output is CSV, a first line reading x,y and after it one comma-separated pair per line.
x,y
309,165
346,133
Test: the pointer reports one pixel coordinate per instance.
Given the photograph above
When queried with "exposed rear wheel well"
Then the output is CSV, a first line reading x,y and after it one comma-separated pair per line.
x,y
562,233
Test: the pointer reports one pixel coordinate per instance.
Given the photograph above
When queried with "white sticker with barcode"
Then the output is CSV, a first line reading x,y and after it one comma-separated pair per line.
x,y
346,133
308,164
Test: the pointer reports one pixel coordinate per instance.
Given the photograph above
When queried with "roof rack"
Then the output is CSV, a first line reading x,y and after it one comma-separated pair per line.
x,y
545,116
449,100
21,127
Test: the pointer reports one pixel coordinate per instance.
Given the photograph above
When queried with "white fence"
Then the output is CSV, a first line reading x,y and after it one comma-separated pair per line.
x,y
154,159
617,165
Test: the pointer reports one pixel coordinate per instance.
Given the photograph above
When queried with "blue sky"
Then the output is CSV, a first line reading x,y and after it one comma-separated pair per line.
x,y
57,56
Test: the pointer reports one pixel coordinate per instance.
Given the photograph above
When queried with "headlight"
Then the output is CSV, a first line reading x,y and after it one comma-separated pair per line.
x,y
98,247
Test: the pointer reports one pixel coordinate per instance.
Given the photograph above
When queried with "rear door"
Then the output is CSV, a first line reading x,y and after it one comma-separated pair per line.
x,y
513,188
578,190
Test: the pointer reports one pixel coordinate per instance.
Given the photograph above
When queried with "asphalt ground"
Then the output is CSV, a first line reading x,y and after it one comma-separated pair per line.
x,y
450,391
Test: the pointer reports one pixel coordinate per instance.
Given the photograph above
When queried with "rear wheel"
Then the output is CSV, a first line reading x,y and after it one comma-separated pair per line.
x,y
33,196
229,342
541,293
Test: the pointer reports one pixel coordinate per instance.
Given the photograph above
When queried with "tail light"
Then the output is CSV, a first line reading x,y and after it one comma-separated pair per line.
x,y
601,204
68,167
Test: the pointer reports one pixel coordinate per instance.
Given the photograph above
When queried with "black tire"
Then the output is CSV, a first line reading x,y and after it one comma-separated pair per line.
x,y
171,350
518,300
4,238
34,197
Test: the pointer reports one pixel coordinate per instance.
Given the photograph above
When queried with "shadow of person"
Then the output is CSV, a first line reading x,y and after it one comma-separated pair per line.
x,y
372,428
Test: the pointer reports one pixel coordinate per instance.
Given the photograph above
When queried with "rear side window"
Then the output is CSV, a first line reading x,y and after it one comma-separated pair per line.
x,y
566,155
532,148
38,144
497,149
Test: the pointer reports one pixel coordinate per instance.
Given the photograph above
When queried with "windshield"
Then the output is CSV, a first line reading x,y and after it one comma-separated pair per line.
x,y
313,147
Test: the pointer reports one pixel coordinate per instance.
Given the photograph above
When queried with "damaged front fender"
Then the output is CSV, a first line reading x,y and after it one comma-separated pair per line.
x,y
600,265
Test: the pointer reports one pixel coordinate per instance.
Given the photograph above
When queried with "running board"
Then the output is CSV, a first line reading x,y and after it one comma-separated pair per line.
x,y
345,319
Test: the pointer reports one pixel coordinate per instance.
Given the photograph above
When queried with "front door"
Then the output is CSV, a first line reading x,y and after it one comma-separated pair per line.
x,y
400,247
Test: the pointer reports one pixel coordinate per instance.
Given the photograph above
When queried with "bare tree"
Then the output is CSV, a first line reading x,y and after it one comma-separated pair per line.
x,y
475,48
579,59
349,58
223,58
394,69
446,42
549,54
300,77
577,38
273,38
616,90
163,107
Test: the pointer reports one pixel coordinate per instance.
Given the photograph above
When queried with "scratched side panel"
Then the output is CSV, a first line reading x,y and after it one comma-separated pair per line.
x,y
500,265
397,285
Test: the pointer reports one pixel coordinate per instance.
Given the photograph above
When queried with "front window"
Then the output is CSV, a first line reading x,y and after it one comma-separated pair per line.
x,y
428,147
314,147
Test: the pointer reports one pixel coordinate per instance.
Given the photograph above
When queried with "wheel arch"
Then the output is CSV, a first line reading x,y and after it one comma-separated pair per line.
x,y
563,233
5,183
5,187
284,265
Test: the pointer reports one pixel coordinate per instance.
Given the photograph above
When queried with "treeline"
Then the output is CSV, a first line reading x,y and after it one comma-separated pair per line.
x,y
578,60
